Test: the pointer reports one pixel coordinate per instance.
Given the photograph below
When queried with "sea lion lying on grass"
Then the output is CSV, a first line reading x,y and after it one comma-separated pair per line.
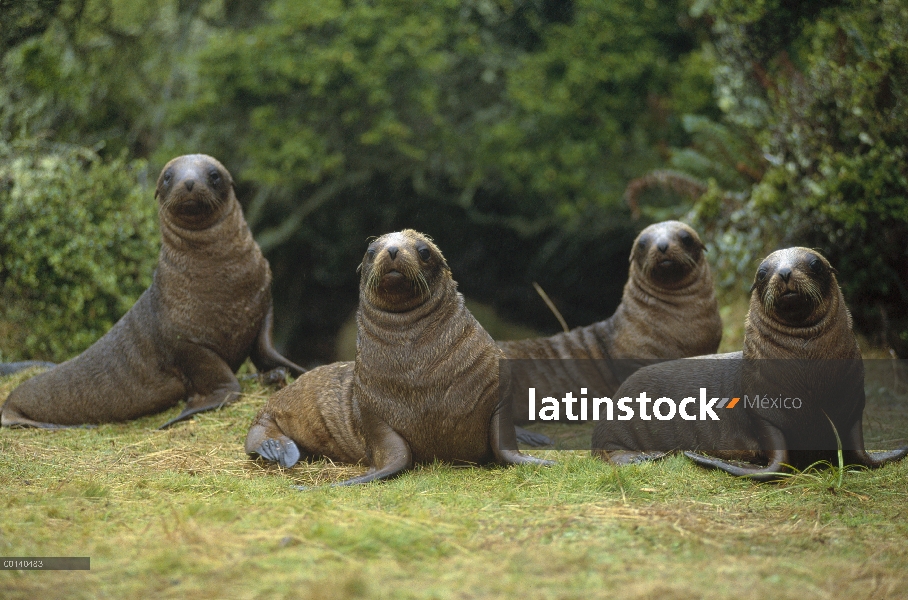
x,y
423,387
800,360
207,310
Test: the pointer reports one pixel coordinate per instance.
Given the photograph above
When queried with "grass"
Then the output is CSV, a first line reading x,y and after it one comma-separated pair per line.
x,y
183,513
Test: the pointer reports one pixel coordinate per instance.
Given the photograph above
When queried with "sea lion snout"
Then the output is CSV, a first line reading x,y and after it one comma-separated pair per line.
x,y
399,268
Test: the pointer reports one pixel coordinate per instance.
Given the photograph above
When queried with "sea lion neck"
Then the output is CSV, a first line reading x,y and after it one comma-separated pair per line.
x,y
820,339
229,226
429,315
647,290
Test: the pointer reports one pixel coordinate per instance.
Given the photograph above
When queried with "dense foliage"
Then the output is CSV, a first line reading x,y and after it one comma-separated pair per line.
x,y
507,130
821,89
78,244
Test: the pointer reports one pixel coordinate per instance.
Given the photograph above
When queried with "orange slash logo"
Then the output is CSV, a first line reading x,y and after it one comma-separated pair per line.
x,y
726,404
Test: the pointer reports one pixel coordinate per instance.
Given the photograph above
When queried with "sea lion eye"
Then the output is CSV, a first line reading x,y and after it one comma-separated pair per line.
x,y
424,253
370,253
761,274
214,177
686,238
167,176
816,266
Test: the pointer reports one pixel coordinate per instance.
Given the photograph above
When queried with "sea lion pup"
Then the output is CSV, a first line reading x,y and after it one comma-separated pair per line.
x,y
207,310
668,310
798,343
424,385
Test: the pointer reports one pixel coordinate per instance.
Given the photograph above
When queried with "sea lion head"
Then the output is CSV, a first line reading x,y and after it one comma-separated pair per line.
x,y
668,253
401,271
793,286
194,190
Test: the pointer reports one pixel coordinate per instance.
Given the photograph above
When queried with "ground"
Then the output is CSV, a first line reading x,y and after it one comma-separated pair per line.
x,y
183,513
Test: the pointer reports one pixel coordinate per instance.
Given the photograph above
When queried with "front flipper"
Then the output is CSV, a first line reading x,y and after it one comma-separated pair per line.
x,y
387,452
264,356
773,443
531,438
281,450
265,439
855,453
503,439
211,379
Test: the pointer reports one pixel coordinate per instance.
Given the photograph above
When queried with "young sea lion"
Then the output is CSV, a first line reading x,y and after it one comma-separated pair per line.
x,y
799,344
668,310
207,310
424,385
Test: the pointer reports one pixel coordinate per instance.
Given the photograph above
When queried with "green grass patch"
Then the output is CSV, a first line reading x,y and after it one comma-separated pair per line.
x,y
183,513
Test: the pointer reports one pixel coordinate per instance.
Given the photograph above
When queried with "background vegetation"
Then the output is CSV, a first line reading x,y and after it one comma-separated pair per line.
x,y
508,130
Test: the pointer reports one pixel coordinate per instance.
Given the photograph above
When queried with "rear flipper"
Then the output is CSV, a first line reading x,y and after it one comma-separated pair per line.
x,y
531,438
273,378
264,356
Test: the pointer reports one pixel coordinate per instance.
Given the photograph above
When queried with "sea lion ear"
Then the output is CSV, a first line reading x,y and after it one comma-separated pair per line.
x,y
156,193
752,287
359,268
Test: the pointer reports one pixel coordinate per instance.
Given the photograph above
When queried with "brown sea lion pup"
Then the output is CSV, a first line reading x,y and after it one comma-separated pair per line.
x,y
800,357
668,310
423,387
207,310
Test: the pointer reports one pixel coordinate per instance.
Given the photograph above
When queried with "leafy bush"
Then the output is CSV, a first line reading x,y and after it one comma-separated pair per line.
x,y
78,245
820,90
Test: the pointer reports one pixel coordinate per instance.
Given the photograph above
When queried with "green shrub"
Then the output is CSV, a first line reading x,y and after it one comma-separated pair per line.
x,y
78,245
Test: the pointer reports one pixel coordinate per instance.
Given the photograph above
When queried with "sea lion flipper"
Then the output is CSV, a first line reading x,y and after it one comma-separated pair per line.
x,y
389,453
211,379
854,452
264,356
531,438
265,439
503,439
774,470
